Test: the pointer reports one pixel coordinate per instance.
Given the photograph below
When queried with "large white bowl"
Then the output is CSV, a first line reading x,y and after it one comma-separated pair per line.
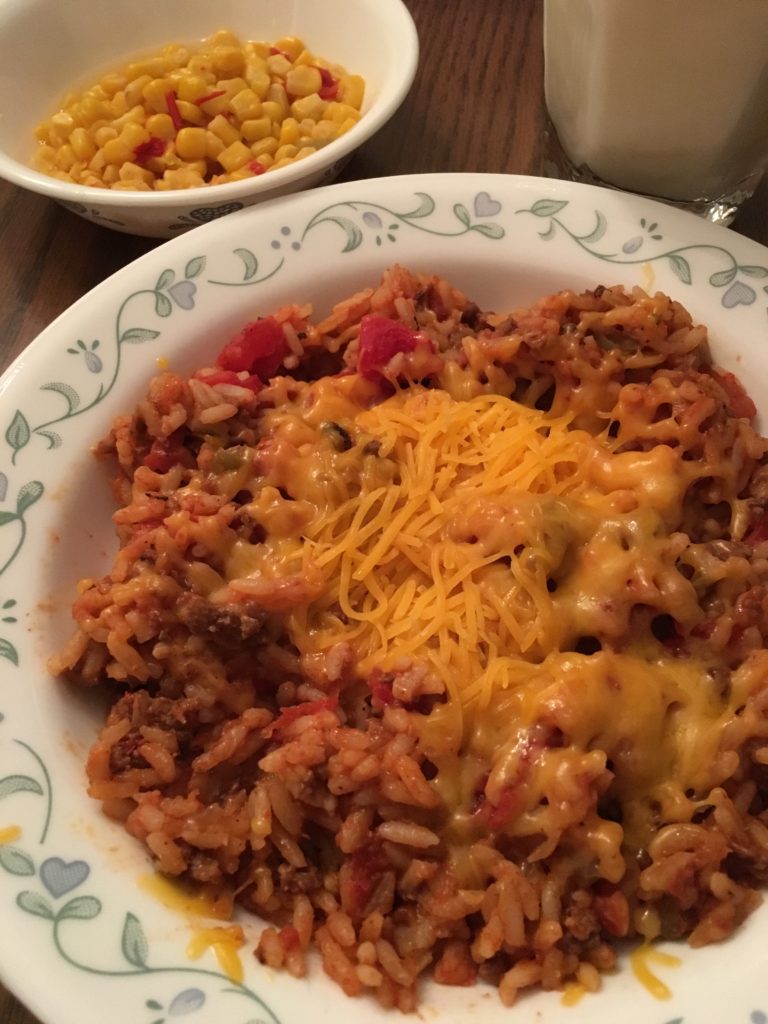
x,y
48,47
80,940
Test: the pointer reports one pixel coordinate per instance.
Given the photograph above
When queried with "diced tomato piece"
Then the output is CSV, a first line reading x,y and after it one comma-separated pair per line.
x,y
146,150
292,714
259,348
329,90
380,339
380,685
495,816
168,452
738,400
256,167
289,938
214,376
612,911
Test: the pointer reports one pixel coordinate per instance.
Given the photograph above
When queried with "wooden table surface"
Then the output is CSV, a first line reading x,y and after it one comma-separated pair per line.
x,y
476,105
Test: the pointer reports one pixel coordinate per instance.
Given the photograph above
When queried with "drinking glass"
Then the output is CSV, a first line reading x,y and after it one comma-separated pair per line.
x,y
667,98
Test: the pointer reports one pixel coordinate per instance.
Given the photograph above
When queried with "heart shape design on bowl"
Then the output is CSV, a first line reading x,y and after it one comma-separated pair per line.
x,y
183,294
485,206
60,877
739,294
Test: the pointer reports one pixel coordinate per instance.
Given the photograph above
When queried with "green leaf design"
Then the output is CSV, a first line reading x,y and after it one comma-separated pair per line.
x,y
17,435
425,207
28,495
69,394
7,517
722,277
194,267
134,942
597,232
548,207
19,784
16,861
751,271
9,652
152,1004
462,213
135,335
353,232
166,278
680,267
490,230
250,263
163,305
34,903
54,439
549,233
81,908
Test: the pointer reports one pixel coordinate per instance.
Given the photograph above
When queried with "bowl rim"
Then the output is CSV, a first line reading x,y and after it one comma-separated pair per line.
x,y
383,108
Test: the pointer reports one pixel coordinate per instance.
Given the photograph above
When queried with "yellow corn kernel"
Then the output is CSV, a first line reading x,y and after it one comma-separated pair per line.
x,y
253,130
110,84
82,144
213,145
191,88
290,45
266,160
45,154
176,54
304,152
264,146
276,94
161,125
324,132
155,92
277,65
235,156
226,132
273,111
309,106
227,60
352,90
103,135
190,112
339,112
232,86
221,37
259,81
257,49
136,115
65,157
116,152
133,135
191,143
304,58
97,163
133,185
182,177
92,181
303,81
345,126
133,92
120,104
281,163
286,152
289,131
133,172
111,174
217,105
245,105
202,65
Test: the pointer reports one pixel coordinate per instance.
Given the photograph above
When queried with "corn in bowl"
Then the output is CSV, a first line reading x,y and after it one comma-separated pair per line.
x,y
187,117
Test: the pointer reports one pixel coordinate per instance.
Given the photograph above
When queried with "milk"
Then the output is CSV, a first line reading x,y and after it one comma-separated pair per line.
x,y
665,97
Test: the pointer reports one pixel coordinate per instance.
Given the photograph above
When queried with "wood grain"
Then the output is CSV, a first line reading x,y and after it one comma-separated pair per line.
x,y
476,105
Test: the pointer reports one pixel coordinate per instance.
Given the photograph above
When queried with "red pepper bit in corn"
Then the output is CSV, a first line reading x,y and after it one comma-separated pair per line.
x,y
173,110
210,96
273,52
146,150
256,168
329,90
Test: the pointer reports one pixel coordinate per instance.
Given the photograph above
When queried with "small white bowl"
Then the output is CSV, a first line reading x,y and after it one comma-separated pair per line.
x,y
48,48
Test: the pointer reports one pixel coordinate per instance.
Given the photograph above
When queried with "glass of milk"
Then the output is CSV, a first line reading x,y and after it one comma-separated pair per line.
x,y
668,98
